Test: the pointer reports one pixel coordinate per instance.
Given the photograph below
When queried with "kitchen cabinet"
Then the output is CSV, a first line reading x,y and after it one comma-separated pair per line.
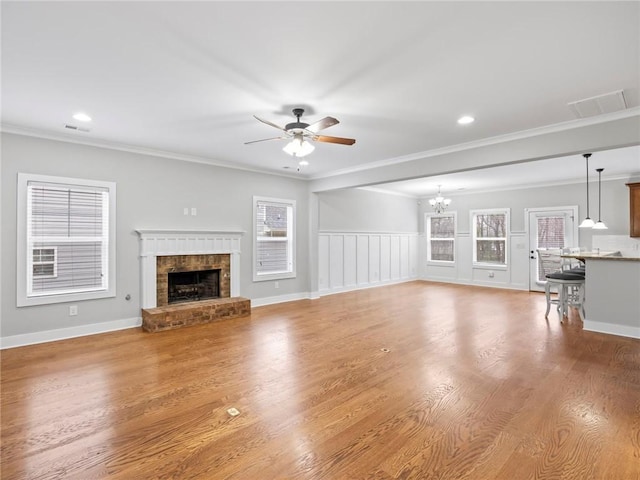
x,y
634,209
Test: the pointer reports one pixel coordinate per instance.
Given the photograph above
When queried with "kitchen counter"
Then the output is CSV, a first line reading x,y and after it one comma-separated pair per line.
x,y
612,293
603,256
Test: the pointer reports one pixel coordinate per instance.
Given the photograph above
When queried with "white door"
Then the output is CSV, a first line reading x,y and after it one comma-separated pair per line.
x,y
554,227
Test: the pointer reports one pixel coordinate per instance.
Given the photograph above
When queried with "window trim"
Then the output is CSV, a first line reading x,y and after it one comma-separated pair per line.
x,y
427,233
22,252
488,211
263,277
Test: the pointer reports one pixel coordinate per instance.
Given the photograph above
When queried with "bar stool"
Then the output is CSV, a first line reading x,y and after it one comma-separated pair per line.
x,y
570,287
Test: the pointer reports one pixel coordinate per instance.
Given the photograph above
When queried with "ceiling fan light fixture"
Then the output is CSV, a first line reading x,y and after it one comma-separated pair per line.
x,y
299,146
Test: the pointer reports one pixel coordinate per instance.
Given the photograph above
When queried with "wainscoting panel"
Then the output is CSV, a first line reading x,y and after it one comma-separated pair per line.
x,y
336,261
362,259
374,259
323,262
515,276
348,261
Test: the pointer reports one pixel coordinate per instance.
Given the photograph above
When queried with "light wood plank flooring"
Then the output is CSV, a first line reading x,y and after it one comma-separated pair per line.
x,y
476,385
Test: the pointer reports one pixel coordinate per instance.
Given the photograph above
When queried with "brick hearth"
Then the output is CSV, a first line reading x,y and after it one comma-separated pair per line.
x,y
194,313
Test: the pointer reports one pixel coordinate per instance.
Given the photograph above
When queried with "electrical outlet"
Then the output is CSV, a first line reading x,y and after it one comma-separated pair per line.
x,y
73,310
491,274
194,212
276,284
186,210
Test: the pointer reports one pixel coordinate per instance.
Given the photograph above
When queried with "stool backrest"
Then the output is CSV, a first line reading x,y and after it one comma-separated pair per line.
x,y
549,261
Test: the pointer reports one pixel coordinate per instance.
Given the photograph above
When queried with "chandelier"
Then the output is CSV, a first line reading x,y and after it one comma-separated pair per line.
x,y
439,203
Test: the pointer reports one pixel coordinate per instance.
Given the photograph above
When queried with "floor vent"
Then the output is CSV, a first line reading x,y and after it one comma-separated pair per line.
x,y
607,103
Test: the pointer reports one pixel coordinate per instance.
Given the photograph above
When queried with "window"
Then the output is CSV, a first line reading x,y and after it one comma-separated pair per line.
x,y
441,233
66,239
44,263
274,239
490,230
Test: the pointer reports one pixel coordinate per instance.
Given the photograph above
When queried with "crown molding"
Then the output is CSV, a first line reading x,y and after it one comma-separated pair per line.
x,y
558,127
509,137
47,135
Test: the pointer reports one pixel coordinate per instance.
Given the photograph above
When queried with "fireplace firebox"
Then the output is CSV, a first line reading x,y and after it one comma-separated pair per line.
x,y
193,285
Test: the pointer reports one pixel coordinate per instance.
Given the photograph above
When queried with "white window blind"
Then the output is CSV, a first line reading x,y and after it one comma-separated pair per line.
x,y
274,239
73,220
65,228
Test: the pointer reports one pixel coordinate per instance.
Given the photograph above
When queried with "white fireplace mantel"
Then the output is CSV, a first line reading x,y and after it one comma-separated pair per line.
x,y
155,243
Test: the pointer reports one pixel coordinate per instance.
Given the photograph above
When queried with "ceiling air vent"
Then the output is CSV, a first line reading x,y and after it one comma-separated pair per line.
x,y
75,127
607,103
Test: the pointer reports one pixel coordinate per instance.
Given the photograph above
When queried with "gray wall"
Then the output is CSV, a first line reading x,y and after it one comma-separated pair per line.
x,y
615,205
358,210
615,213
151,193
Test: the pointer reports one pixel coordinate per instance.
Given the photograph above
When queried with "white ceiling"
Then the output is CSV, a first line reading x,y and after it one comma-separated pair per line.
x,y
186,78
621,163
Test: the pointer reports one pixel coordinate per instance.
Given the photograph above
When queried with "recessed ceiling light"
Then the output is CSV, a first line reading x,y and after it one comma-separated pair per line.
x,y
303,163
466,120
82,117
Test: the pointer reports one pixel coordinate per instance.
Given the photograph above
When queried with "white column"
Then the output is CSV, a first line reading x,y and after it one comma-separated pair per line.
x,y
147,287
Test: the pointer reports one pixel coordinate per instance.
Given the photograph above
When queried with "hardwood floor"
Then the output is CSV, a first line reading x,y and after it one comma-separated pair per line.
x,y
476,385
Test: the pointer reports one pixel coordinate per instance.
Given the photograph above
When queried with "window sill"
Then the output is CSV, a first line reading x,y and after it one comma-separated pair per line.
x,y
273,276
64,298
490,266
440,263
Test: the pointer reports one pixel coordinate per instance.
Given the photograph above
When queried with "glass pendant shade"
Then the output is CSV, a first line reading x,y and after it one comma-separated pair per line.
x,y
600,225
299,147
587,223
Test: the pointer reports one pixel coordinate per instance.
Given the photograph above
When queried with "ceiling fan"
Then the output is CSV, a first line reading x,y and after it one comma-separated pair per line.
x,y
300,133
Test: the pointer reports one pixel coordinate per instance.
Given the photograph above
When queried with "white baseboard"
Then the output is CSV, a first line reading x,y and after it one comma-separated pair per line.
x,y
612,329
70,332
456,281
352,288
261,302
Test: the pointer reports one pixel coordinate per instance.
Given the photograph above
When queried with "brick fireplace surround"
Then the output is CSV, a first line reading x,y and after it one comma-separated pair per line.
x,y
164,251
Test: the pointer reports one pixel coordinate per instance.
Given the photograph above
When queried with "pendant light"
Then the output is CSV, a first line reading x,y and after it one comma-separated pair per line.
x,y
600,225
587,222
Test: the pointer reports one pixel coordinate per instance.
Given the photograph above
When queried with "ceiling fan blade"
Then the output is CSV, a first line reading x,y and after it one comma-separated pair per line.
x,y
269,123
265,140
340,140
326,122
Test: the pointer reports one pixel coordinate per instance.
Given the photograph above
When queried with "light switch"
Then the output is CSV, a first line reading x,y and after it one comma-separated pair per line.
x,y
194,212
186,210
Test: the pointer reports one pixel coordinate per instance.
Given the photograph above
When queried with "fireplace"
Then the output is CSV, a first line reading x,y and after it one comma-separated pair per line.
x,y
187,254
191,278
172,251
193,286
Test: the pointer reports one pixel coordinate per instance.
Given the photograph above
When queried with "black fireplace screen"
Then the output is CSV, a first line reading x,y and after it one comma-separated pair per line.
x,y
193,286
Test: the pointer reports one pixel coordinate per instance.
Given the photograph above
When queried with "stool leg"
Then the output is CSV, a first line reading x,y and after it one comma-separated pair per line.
x,y
562,300
547,294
